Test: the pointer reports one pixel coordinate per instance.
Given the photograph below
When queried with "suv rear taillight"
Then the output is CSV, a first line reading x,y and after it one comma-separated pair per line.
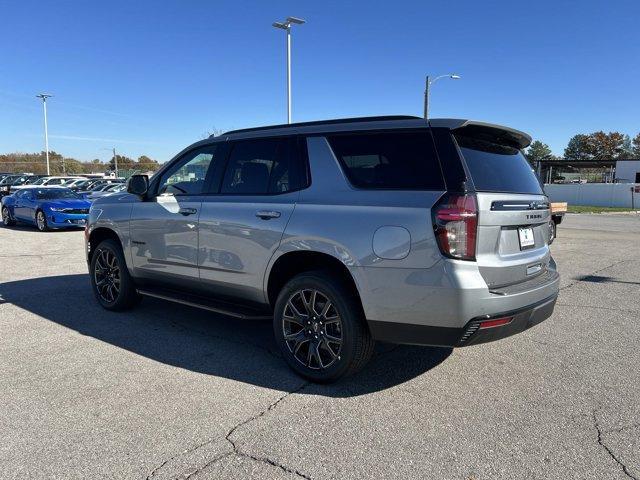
x,y
455,222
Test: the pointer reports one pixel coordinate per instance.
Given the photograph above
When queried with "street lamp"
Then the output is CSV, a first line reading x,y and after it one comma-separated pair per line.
x,y
115,159
428,84
286,25
44,97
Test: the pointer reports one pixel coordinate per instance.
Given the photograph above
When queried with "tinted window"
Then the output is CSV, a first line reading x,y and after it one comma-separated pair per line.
x,y
187,177
55,181
497,168
262,166
395,160
54,193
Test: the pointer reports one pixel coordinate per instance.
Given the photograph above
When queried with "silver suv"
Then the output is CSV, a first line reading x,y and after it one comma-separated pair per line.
x,y
343,232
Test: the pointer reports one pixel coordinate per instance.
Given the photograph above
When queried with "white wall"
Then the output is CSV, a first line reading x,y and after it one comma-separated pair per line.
x,y
626,171
594,194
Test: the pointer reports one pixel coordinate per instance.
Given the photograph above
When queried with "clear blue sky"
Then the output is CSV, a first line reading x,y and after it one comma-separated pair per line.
x,y
150,77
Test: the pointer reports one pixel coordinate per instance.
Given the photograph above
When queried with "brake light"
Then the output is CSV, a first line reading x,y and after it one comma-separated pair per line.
x,y
455,222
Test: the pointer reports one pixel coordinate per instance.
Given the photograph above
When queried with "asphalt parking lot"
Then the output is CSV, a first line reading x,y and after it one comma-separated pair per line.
x,y
166,391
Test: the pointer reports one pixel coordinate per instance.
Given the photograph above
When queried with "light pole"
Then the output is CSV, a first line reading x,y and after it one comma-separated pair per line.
x,y
286,25
44,97
115,159
428,84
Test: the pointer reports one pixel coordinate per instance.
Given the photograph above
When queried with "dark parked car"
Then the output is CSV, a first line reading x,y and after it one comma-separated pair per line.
x,y
12,181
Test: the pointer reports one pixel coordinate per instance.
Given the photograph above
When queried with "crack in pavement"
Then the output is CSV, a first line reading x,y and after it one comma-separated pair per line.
x,y
266,460
235,449
606,447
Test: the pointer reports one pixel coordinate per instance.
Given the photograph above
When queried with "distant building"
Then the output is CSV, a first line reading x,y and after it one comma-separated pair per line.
x,y
628,171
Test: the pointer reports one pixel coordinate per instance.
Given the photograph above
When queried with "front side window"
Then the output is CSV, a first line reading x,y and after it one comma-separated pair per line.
x,y
389,160
56,193
187,177
261,166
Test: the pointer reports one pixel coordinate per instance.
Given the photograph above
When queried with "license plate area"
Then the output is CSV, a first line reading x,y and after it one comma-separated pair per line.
x,y
526,238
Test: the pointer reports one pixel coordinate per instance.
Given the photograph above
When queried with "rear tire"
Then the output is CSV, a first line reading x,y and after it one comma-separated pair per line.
x,y
320,327
7,221
112,285
552,231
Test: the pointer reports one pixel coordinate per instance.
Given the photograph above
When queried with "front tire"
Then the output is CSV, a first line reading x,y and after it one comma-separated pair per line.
x,y
320,327
7,221
112,285
41,221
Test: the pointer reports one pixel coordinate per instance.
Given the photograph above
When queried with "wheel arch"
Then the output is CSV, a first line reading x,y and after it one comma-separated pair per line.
x,y
98,235
292,263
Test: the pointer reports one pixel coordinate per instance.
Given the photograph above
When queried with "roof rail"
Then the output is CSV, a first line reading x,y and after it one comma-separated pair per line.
x,y
323,122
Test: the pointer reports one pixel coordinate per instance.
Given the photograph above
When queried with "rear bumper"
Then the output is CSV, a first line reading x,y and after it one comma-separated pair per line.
x,y
471,334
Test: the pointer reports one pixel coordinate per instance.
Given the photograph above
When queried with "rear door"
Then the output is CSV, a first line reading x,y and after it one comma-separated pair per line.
x,y
242,223
513,212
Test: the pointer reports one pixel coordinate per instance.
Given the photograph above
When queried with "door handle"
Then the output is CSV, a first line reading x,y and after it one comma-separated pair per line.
x,y
187,211
267,214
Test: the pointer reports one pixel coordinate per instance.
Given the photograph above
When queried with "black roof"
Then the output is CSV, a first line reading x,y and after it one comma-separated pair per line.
x,y
324,122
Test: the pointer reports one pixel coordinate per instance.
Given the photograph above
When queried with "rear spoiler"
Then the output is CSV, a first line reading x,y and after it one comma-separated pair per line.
x,y
488,131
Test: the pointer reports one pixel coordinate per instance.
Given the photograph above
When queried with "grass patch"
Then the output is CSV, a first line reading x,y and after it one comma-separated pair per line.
x,y
588,209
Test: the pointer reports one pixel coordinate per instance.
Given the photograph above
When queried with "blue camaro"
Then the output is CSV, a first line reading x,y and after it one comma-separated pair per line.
x,y
46,208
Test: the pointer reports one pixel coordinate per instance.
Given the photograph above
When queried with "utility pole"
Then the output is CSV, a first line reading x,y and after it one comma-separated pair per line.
x,y
44,97
286,25
427,84
115,161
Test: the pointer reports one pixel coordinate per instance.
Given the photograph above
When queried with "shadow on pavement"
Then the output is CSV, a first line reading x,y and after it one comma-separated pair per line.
x,y
201,341
600,279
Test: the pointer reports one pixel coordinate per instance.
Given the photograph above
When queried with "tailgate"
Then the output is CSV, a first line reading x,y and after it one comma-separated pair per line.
x,y
513,212
505,254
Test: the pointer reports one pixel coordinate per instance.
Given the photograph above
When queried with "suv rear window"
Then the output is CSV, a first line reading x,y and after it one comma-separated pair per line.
x,y
389,160
497,168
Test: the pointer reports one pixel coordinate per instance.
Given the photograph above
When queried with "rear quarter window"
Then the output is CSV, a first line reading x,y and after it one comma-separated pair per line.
x,y
497,168
389,160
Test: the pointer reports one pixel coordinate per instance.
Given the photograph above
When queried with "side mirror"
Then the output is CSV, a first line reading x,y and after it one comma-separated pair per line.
x,y
138,185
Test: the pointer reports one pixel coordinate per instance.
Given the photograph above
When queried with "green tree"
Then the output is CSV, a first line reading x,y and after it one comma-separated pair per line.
x,y
579,148
607,146
537,152
627,147
73,166
145,164
636,146
123,163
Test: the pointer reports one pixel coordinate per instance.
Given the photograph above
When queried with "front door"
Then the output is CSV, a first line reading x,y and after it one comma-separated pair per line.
x,y
164,227
24,207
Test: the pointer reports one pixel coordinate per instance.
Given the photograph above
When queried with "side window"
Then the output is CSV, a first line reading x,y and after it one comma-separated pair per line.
x,y
19,194
261,166
187,176
389,160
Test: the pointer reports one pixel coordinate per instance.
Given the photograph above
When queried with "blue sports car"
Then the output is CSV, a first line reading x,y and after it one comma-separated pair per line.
x,y
46,208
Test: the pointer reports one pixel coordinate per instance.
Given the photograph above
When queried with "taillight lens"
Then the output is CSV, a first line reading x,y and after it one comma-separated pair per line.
x,y
455,221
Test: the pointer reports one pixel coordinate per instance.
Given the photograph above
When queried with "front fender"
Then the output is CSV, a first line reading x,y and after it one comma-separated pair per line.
x,y
114,217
